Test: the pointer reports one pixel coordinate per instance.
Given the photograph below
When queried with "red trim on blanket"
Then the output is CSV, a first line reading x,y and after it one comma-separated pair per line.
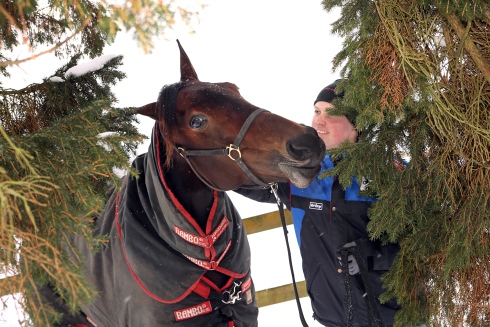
x,y
229,272
209,224
208,265
202,290
246,284
176,202
136,278
215,287
90,321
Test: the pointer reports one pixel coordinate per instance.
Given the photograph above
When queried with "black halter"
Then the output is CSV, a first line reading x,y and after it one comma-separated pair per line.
x,y
227,151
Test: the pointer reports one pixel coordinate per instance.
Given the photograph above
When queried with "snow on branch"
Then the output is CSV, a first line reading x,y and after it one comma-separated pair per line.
x,y
87,67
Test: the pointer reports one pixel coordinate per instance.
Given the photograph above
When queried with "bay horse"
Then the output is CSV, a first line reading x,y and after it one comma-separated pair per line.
x,y
178,253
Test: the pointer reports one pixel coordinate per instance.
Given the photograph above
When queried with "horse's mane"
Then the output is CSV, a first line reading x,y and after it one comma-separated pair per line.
x,y
167,106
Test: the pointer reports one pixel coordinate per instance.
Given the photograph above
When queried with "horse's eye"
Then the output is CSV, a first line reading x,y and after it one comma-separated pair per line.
x,y
198,122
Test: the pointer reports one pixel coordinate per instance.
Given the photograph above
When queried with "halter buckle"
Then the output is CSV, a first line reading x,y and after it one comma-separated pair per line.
x,y
181,152
231,148
274,188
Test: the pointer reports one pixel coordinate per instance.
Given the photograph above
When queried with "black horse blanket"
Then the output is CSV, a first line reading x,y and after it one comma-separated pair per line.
x,y
152,273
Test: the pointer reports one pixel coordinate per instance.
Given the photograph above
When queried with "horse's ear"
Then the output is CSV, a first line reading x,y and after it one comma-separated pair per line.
x,y
187,72
149,110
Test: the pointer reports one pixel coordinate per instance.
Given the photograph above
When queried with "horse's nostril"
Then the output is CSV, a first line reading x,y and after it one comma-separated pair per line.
x,y
306,146
299,148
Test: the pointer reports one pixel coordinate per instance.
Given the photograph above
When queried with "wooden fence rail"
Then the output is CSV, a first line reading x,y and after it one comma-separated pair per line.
x,y
259,223
262,223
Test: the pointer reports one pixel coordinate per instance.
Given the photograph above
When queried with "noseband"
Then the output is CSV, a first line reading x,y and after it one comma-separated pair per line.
x,y
232,151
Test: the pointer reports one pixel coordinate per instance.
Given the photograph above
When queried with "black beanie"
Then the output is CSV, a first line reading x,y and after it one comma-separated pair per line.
x,y
328,93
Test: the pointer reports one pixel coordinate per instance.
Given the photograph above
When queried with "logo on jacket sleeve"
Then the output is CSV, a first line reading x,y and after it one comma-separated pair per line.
x,y
364,184
316,205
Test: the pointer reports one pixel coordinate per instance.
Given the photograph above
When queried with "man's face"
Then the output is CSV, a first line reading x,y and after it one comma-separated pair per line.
x,y
333,130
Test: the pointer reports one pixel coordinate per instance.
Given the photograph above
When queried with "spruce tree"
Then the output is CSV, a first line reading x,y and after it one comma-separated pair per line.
x,y
417,81
61,139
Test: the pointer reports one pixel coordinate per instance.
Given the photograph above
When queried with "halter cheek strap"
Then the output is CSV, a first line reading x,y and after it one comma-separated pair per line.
x,y
232,151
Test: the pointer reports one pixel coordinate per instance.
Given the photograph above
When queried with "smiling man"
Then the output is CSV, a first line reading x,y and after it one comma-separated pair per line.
x,y
333,130
342,266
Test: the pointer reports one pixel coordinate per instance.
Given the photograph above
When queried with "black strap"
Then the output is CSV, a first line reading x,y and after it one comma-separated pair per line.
x,y
373,310
236,143
371,300
245,126
285,229
250,175
348,289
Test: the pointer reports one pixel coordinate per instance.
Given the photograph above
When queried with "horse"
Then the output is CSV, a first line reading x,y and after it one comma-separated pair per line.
x,y
177,252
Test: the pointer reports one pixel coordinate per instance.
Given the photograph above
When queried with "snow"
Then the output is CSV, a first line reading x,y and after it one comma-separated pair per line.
x,y
89,66
84,68
104,144
10,317
56,79
107,134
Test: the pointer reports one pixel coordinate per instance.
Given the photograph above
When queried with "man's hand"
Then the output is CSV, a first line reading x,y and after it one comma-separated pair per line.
x,y
352,265
351,261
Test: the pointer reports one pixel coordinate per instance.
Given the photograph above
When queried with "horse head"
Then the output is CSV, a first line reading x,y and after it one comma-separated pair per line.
x,y
200,120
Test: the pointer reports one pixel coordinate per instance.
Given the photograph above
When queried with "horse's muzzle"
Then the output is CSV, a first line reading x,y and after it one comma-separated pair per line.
x,y
307,148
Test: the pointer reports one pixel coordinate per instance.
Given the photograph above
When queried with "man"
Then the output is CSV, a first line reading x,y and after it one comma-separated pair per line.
x,y
342,267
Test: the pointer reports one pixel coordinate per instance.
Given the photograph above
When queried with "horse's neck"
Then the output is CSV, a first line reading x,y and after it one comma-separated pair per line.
x,y
192,194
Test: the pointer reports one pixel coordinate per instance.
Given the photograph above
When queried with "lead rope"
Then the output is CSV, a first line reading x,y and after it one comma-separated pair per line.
x,y
371,300
285,229
373,310
348,290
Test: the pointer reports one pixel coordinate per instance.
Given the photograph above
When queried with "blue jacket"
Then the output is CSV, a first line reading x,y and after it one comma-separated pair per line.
x,y
325,218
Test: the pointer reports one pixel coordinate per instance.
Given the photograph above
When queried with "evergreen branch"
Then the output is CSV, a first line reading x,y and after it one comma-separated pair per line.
x,y
469,44
48,132
21,155
58,45
439,207
10,285
9,17
7,190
